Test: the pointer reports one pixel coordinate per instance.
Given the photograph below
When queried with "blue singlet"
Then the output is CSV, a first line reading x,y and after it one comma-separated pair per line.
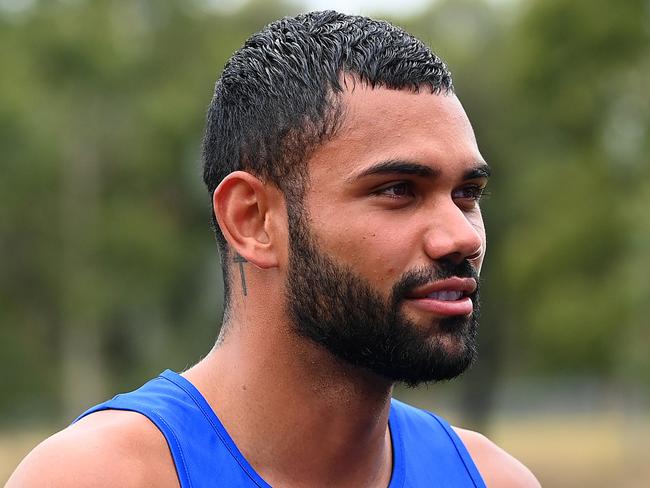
x,y
426,450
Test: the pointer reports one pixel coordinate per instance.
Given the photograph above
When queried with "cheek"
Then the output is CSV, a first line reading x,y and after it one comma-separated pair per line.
x,y
378,257
475,219
371,245
479,226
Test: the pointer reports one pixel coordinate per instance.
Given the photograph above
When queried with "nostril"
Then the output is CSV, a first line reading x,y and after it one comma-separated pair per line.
x,y
475,254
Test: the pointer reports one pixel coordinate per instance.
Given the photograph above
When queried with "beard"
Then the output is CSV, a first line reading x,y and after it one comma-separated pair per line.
x,y
338,309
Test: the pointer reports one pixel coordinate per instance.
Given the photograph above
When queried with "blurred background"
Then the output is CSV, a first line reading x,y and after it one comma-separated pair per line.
x,y
109,272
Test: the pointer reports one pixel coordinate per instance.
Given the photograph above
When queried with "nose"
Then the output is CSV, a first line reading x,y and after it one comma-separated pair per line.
x,y
455,235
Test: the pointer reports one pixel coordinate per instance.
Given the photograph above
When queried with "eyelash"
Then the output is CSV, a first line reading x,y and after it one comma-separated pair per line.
x,y
401,184
475,192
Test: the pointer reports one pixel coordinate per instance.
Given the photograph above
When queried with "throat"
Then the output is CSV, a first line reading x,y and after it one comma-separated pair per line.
x,y
321,421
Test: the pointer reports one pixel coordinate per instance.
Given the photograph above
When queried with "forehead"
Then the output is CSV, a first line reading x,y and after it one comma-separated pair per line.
x,y
380,124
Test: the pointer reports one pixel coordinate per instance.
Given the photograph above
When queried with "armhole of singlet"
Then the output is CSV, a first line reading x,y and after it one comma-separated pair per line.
x,y
165,429
470,466
219,429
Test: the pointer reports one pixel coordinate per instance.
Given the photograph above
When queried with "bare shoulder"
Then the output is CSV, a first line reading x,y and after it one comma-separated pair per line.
x,y
498,468
106,449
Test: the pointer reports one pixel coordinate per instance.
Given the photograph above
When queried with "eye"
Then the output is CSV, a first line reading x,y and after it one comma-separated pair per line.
x,y
401,189
470,194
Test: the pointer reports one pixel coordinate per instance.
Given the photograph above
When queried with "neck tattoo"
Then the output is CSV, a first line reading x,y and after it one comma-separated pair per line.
x,y
241,260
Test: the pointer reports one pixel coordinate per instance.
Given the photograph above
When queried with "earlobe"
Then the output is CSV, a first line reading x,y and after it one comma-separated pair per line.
x,y
242,205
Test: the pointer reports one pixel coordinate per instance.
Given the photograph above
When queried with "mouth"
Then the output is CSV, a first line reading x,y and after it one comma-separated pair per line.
x,y
447,298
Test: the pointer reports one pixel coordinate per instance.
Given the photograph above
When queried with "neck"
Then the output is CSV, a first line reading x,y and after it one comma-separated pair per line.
x,y
300,416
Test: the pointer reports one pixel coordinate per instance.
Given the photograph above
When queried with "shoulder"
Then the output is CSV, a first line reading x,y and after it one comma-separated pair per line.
x,y
105,449
498,468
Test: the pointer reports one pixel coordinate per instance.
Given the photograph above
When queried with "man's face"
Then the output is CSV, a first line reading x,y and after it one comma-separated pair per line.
x,y
387,244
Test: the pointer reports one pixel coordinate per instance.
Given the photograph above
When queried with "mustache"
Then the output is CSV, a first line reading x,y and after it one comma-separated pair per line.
x,y
422,276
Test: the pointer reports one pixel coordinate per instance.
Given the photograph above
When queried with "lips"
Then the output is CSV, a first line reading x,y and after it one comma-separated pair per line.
x,y
447,297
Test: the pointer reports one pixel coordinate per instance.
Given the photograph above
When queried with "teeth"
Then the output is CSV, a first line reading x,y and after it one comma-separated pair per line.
x,y
446,295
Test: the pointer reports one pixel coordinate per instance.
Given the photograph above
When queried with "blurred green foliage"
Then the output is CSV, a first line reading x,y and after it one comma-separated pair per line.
x,y
108,269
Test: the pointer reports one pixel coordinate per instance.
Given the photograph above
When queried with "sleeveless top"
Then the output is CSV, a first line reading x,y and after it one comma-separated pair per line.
x,y
426,450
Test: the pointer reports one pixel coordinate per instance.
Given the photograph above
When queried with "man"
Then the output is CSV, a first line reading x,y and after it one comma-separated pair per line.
x,y
345,181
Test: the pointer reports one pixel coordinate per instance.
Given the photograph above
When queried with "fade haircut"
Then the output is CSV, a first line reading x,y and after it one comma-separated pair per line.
x,y
279,96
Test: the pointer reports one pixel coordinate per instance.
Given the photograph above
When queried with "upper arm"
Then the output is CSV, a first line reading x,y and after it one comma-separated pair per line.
x,y
498,468
63,460
105,449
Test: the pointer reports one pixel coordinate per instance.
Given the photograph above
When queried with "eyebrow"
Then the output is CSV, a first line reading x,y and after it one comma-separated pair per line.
x,y
397,166
483,170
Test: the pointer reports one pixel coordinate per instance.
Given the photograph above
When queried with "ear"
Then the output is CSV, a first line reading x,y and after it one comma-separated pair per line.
x,y
243,207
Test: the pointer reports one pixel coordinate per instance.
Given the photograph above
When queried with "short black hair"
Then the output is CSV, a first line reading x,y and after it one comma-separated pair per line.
x,y
279,95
